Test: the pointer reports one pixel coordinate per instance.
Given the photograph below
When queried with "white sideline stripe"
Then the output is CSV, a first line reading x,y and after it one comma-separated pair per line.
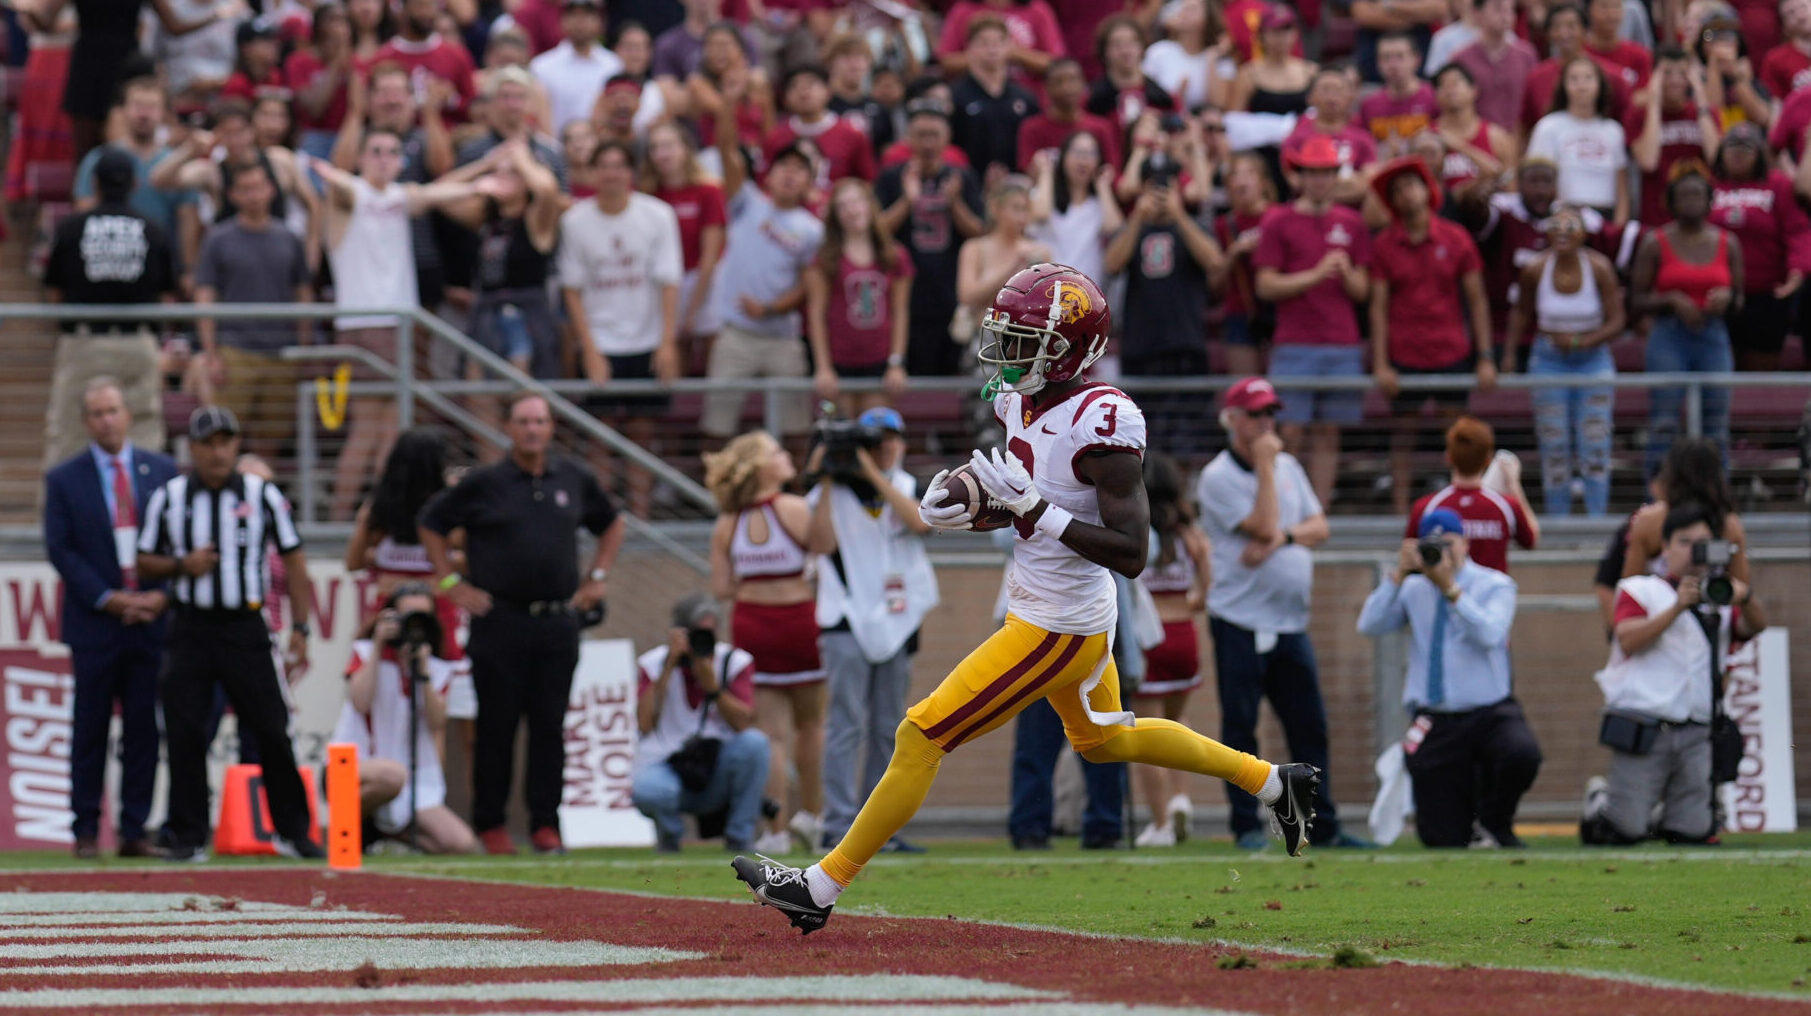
x,y
843,1009
313,954
130,903
844,988
263,929
197,917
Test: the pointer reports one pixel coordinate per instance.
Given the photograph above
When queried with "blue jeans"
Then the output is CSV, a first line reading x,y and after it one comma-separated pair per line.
x,y
1573,425
1674,348
1287,676
736,785
1037,743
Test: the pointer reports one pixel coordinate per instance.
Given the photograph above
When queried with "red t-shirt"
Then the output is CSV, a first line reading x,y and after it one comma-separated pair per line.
x,y
541,20
1080,20
1760,23
1460,169
1788,133
301,70
901,151
1293,241
1491,521
434,57
1241,293
1388,116
1785,70
1356,147
1537,96
845,149
858,320
696,206
1772,226
1681,140
1032,26
751,121
1039,131
1634,64
1427,304
238,86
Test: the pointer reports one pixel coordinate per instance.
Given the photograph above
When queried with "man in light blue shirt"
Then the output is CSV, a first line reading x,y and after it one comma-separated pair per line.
x,y
1471,754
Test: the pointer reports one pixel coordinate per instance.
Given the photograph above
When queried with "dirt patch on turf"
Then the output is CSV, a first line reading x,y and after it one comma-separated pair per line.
x,y
554,930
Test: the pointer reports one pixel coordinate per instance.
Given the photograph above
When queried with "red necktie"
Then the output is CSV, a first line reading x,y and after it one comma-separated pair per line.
x,y
125,513
125,510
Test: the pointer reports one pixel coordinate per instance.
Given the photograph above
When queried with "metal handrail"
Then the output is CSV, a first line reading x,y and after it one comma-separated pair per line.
x,y
406,383
452,411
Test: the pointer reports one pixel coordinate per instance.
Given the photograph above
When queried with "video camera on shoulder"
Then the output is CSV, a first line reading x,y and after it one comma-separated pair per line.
x,y
840,437
1715,556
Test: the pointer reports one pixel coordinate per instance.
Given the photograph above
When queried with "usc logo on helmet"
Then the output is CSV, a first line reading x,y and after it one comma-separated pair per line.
x,y
1068,303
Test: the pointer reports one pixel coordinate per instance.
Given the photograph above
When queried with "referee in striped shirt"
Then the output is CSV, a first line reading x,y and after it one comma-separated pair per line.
x,y
206,531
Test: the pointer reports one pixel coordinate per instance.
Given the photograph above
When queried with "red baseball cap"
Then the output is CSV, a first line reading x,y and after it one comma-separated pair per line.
x,y
1317,152
1251,395
1385,179
1277,17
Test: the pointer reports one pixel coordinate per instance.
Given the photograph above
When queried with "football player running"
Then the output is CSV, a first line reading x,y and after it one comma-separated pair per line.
x,y
1072,476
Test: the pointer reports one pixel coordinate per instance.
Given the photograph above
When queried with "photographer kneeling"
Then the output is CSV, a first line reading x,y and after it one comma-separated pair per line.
x,y
387,669
872,594
1662,685
700,753
1471,755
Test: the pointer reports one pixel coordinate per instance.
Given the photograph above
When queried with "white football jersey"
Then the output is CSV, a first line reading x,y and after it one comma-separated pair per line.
x,y
1050,585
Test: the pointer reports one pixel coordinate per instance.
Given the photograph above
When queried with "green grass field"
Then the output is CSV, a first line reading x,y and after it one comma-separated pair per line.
x,y
1737,917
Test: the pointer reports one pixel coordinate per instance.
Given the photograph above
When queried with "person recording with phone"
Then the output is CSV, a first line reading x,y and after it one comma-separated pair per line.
x,y
700,753
1663,722
397,681
1471,755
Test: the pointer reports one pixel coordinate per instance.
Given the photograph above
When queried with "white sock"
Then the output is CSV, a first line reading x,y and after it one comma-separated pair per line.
x,y
824,889
1272,788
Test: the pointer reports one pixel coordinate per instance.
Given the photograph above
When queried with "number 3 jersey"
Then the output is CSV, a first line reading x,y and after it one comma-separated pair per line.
x,y
1050,585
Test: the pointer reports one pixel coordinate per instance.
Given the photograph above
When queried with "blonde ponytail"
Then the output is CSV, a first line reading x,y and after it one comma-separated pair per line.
x,y
734,474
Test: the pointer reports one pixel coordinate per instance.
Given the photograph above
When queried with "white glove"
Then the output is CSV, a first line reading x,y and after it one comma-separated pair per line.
x,y
942,516
1006,481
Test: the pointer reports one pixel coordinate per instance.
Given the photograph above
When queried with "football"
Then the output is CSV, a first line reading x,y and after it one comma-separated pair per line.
x,y
961,487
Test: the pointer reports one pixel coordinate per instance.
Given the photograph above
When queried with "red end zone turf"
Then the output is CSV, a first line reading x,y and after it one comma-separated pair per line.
x,y
307,941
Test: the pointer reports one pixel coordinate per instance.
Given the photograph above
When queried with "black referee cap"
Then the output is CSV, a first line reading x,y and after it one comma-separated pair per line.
x,y
207,421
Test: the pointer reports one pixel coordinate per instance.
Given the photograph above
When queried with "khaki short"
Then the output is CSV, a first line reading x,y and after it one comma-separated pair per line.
x,y
131,358
260,389
739,354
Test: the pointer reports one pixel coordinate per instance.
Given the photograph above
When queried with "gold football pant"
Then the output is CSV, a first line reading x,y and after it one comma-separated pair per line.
x,y
1018,665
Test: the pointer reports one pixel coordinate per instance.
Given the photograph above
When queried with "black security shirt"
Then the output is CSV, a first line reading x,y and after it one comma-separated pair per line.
x,y
110,254
521,530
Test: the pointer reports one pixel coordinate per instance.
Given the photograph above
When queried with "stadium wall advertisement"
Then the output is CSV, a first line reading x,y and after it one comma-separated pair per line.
x,y
37,700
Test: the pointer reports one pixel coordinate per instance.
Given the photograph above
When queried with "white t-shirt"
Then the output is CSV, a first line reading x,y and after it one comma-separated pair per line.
x,y
1589,154
679,713
1049,584
573,81
1273,597
1171,66
1074,237
618,264
374,264
383,732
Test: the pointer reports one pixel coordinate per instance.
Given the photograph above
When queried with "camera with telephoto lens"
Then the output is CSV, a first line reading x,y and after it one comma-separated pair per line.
x,y
701,643
1432,551
841,437
417,628
1715,555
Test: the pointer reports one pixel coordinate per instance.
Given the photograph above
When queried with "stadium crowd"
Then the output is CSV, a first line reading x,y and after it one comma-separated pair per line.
x,y
734,189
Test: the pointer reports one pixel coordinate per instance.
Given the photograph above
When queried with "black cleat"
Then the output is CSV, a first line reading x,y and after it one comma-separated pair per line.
x,y
1294,810
783,888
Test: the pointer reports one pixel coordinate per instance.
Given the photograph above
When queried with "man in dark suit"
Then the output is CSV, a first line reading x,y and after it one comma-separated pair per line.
x,y
112,623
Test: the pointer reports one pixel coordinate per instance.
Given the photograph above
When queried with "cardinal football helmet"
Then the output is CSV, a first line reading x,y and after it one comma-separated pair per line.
x,y
1048,323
